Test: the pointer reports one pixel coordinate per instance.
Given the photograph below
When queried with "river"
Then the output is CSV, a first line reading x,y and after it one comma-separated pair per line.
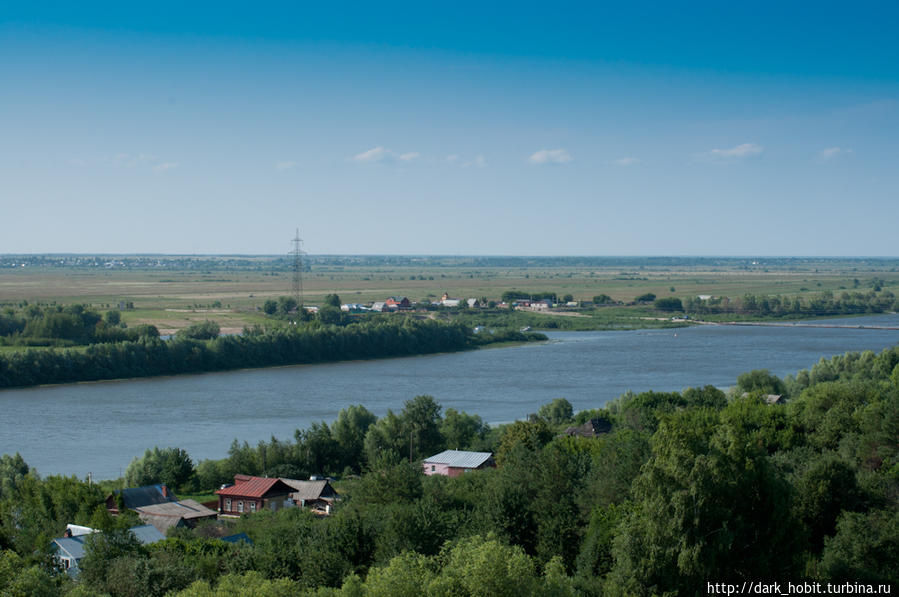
x,y
99,427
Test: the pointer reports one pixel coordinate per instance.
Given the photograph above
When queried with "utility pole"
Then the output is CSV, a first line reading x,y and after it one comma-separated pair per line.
x,y
298,270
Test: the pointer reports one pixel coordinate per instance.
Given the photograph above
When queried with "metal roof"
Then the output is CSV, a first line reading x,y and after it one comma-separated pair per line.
x,y
147,533
184,509
73,546
460,458
253,487
138,497
310,490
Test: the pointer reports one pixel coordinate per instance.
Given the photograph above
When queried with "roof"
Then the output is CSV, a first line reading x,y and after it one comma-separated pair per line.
x,y
591,428
310,490
238,538
184,509
254,487
147,533
460,458
161,523
73,546
137,497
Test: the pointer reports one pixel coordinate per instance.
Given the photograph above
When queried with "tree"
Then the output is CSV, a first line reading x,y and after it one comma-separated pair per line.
x,y
286,304
602,299
171,466
332,300
462,431
202,330
329,315
270,306
113,317
421,423
761,381
708,500
645,298
557,412
567,298
349,431
670,303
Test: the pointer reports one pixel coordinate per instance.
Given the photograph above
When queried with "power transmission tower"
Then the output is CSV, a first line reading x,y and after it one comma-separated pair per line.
x,y
298,270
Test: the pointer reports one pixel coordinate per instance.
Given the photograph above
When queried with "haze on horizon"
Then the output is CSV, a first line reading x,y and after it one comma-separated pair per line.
x,y
507,129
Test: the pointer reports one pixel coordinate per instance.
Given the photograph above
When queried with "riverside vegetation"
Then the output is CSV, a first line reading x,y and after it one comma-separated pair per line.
x,y
686,488
101,348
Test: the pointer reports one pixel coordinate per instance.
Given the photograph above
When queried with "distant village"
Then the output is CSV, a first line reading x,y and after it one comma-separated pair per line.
x,y
402,303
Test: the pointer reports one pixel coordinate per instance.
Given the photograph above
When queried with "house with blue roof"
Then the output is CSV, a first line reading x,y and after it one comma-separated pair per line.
x,y
70,549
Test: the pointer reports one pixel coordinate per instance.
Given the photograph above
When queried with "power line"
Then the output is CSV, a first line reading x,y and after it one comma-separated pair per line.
x,y
297,254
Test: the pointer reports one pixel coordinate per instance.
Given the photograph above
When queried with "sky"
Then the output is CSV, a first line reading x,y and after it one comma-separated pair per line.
x,y
463,128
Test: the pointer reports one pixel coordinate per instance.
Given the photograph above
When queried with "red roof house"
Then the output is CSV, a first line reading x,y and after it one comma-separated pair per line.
x,y
251,494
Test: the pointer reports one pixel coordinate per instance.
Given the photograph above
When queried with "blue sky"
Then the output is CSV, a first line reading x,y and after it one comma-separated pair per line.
x,y
511,128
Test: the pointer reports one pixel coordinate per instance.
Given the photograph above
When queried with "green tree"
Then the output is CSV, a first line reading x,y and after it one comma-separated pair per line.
x,y
171,466
761,381
462,431
202,330
670,303
286,304
270,306
349,431
557,412
602,299
332,300
708,500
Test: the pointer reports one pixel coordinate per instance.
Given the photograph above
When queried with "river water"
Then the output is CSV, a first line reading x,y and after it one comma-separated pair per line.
x,y
99,427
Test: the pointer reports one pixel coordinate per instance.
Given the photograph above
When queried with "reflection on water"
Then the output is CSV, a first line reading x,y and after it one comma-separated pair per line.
x,y
100,427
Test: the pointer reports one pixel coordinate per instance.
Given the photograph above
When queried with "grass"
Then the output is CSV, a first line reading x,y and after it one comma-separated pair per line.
x,y
173,298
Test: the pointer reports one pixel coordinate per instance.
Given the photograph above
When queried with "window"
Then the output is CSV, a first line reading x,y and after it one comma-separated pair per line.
x,y
227,504
274,505
433,468
252,506
240,505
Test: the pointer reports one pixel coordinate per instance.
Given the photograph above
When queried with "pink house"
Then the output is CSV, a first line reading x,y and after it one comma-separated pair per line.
x,y
452,463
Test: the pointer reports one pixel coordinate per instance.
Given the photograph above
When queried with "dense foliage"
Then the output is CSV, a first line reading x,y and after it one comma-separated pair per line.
x,y
686,488
70,325
825,303
311,343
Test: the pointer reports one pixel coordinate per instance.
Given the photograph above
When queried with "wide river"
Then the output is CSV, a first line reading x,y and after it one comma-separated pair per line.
x,y
99,427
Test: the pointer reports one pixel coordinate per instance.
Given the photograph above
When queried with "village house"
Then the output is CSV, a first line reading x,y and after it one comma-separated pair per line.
x,y
183,513
318,495
252,494
592,428
138,497
452,463
380,307
69,549
400,303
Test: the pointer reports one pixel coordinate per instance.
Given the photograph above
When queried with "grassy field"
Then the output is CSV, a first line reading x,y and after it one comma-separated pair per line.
x,y
174,298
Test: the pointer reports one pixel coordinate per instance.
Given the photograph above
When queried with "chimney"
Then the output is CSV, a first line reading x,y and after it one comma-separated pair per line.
x,y
164,490
68,533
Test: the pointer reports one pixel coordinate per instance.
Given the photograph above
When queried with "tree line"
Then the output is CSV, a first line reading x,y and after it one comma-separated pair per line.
x,y
821,304
256,347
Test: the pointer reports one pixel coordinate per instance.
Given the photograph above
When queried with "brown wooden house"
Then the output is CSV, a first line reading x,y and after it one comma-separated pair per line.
x,y
252,494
